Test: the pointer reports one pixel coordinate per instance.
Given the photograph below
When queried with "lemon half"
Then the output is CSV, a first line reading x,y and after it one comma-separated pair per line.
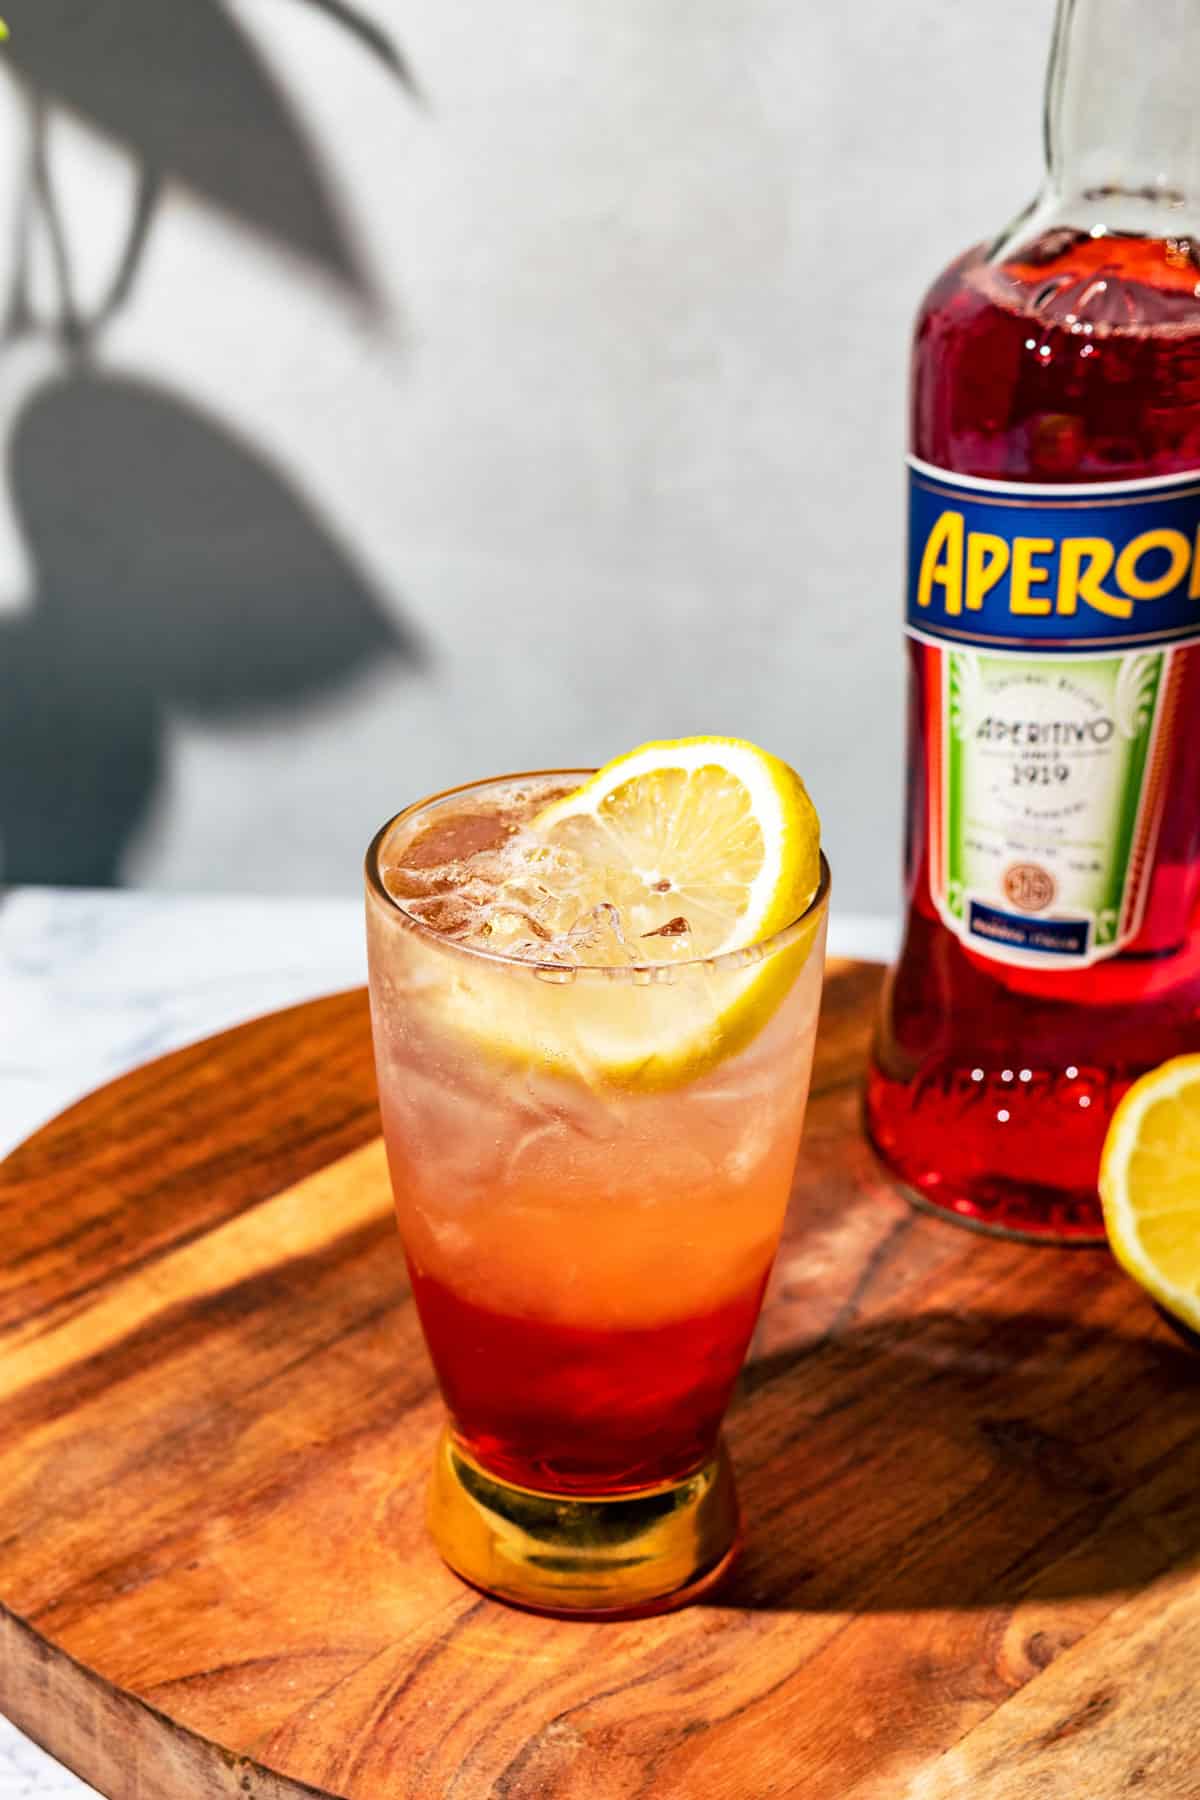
x,y
1150,1185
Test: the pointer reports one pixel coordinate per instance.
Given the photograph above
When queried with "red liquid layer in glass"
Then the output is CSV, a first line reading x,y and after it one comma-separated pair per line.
x,y
992,1087
571,1410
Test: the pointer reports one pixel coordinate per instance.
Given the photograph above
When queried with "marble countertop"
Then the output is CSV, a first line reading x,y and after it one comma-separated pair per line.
x,y
93,983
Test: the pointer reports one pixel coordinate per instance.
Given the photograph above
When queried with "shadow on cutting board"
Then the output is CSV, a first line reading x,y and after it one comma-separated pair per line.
x,y
955,1461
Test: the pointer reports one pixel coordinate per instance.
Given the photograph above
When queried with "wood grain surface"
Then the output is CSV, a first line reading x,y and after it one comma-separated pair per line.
x,y
970,1472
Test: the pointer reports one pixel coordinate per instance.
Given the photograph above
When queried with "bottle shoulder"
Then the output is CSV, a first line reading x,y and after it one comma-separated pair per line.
x,y
1072,355
948,284
1101,283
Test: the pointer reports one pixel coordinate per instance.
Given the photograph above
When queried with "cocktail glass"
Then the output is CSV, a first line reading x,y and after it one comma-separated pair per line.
x,y
591,1168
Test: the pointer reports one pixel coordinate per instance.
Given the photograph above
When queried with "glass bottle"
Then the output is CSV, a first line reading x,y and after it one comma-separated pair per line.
x,y
1051,953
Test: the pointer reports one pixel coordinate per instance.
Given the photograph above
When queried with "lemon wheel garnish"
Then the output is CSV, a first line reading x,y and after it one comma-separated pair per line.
x,y
1150,1185
710,830
708,833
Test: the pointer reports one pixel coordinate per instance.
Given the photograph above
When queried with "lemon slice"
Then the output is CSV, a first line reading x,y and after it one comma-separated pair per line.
x,y
707,831
1150,1185
706,847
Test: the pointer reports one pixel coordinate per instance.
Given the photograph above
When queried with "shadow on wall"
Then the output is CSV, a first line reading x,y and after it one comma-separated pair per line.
x,y
175,567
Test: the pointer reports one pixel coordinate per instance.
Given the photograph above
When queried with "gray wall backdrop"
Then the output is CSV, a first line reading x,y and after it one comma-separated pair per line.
x,y
395,394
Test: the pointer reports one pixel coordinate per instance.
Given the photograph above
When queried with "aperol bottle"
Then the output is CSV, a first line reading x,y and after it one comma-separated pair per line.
x,y
1051,952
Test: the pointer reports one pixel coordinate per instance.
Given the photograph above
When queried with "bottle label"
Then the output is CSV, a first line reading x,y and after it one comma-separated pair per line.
x,y
1053,619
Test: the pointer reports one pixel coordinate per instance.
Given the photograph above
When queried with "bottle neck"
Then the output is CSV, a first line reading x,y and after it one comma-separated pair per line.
x,y
1122,116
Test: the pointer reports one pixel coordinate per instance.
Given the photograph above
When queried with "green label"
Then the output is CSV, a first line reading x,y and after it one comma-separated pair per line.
x,y
1042,840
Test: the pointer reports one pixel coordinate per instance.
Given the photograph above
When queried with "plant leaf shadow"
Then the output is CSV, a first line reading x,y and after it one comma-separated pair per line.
x,y
187,92
175,568
952,1460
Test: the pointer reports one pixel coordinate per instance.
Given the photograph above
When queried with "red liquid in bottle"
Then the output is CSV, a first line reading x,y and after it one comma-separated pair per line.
x,y
1077,360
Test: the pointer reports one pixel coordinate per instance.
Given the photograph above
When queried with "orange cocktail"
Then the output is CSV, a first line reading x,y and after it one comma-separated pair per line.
x,y
591,1163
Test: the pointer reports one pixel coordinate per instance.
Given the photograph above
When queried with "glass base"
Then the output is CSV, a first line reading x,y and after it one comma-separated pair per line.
x,y
615,1557
1085,1237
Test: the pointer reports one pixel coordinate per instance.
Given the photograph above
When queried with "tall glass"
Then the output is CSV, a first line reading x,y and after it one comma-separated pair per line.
x,y
591,1168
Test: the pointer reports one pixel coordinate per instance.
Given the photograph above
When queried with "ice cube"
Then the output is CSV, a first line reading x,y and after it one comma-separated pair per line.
x,y
519,896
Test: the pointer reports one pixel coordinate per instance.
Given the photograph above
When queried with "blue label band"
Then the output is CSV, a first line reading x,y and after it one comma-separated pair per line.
x,y
1036,937
1008,565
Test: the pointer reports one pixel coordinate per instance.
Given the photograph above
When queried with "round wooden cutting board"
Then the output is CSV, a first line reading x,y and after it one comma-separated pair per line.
x,y
970,1473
